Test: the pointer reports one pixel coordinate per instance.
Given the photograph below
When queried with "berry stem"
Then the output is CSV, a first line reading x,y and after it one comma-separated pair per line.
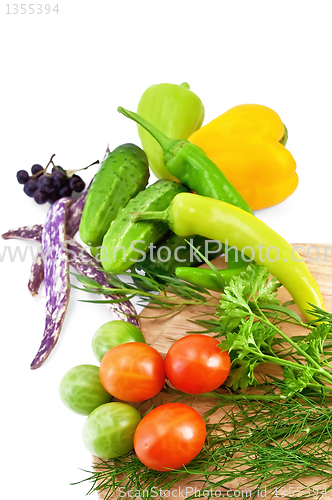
x,y
38,174
70,173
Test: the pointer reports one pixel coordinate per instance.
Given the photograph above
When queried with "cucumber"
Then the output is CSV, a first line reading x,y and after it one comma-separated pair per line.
x,y
94,251
127,241
159,262
121,176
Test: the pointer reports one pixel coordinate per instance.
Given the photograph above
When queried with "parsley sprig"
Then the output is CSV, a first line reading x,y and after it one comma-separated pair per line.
x,y
252,337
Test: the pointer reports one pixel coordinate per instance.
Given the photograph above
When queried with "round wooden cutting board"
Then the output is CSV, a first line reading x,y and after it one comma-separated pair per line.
x,y
162,332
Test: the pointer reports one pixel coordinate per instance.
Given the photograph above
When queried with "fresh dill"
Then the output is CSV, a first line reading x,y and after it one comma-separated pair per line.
x,y
254,444
152,291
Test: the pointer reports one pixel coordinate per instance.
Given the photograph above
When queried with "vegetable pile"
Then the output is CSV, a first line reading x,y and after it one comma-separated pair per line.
x,y
210,179
284,424
134,372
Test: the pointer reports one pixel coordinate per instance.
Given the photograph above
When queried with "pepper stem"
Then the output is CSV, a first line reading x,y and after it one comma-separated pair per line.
x,y
284,138
161,215
165,142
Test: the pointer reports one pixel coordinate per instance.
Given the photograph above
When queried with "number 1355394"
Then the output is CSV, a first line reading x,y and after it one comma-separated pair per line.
x,y
31,8
300,492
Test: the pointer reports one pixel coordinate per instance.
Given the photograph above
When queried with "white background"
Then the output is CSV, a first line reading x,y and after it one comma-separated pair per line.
x,y
63,76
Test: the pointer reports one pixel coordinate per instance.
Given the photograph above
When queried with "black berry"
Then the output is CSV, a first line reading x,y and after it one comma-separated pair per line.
x,y
59,179
36,168
45,184
40,197
76,183
65,191
58,168
52,197
22,176
30,187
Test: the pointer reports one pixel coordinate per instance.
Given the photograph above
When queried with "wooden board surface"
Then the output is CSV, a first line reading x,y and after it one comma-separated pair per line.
x,y
162,332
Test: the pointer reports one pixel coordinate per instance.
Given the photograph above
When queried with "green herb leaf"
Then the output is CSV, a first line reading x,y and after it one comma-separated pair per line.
x,y
241,375
245,347
296,381
260,286
313,343
86,281
244,293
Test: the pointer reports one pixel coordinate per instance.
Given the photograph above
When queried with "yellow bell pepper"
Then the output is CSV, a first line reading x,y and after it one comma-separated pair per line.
x,y
244,144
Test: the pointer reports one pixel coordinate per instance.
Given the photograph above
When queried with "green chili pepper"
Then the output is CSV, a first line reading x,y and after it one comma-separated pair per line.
x,y
193,168
173,109
207,278
193,214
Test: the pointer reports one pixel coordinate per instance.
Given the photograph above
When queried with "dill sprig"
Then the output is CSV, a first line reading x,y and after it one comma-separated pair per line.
x,y
152,291
255,444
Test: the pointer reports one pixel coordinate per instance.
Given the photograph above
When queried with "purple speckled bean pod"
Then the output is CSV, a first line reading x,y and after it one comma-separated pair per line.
x,y
88,266
73,219
56,278
36,274
30,233
34,233
83,262
74,214
107,151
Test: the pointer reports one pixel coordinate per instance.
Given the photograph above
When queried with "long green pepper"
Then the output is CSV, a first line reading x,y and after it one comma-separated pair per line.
x,y
190,213
189,163
207,278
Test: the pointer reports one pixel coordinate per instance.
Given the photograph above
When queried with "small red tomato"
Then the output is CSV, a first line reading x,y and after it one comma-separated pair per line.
x,y
132,372
195,364
169,436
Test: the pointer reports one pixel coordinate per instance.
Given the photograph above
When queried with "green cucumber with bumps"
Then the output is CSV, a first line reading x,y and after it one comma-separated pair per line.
x,y
123,174
126,241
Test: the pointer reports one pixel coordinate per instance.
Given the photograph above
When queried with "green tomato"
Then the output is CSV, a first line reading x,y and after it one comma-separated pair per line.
x,y
81,390
114,333
109,430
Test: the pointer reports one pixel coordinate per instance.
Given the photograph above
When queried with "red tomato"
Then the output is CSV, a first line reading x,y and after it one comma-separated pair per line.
x,y
132,372
169,436
195,364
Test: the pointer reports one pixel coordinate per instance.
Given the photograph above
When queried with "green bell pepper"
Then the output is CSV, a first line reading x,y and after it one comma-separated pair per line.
x,y
174,110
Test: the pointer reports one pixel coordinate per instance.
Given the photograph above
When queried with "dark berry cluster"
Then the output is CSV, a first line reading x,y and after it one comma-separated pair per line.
x,y
43,187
